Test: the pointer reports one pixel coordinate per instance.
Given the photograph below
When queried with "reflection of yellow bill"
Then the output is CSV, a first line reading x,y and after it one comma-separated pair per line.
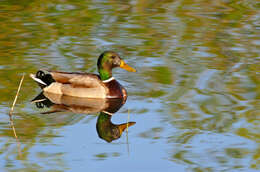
x,y
122,127
126,67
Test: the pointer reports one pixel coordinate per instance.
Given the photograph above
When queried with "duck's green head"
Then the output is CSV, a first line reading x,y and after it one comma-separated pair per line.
x,y
109,60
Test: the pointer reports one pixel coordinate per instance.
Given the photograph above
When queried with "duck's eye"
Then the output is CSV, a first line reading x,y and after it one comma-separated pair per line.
x,y
113,57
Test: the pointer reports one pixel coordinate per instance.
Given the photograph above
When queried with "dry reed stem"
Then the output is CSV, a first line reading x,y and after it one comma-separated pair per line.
x,y
127,121
16,96
127,132
11,119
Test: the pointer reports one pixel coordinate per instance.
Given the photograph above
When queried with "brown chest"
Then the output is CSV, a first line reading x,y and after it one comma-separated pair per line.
x,y
115,90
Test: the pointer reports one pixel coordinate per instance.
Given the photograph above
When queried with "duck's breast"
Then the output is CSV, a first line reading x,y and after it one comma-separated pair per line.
x,y
115,90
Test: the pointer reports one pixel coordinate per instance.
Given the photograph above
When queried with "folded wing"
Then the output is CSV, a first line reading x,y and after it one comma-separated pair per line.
x,y
77,79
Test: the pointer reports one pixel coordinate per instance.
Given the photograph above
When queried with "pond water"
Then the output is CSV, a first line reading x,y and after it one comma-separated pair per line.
x,y
194,98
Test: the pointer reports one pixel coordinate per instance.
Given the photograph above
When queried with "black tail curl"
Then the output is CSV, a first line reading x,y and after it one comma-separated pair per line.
x,y
46,78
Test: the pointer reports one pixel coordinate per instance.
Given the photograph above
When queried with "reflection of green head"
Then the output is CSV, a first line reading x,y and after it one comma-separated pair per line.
x,y
107,130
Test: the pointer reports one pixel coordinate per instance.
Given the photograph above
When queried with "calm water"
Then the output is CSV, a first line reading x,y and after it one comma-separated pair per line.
x,y
195,98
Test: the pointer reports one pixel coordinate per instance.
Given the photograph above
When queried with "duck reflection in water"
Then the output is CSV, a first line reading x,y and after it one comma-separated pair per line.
x,y
105,107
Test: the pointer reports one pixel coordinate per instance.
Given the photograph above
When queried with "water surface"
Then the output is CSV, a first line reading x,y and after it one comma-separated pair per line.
x,y
195,97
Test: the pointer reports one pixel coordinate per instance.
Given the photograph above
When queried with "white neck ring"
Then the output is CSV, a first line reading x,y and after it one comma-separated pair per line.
x,y
108,80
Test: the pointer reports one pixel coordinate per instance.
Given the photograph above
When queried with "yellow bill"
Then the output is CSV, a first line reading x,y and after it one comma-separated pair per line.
x,y
126,67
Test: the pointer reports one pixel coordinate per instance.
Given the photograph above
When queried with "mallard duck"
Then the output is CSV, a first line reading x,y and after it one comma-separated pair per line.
x,y
87,85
